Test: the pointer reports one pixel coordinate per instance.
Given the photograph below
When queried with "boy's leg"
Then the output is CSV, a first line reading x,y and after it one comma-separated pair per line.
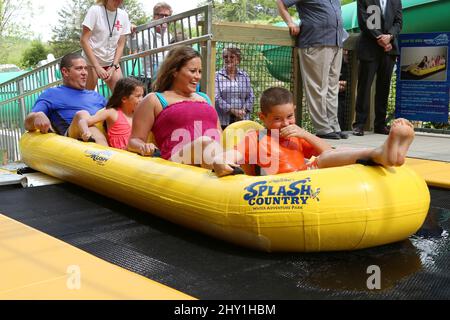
x,y
391,153
397,147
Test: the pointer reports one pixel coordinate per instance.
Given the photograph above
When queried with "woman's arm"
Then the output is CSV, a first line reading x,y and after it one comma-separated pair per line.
x,y
84,42
119,51
220,101
250,96
118,54
143,120
224,163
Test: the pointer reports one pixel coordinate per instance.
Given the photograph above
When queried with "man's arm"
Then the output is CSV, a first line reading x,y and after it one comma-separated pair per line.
x,y
294,29
398,21
366,21
37,121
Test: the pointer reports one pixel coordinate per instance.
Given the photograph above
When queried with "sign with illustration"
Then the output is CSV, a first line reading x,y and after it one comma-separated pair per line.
x,y
423,78
280,194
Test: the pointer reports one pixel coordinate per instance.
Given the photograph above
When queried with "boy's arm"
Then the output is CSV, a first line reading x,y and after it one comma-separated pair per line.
x,y
293,130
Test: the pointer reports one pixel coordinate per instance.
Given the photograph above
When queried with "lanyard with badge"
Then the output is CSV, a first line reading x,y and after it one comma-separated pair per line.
x,y
111,42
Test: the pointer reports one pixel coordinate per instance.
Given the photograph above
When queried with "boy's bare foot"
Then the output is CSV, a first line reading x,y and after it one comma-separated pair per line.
x,y
406,130
394,149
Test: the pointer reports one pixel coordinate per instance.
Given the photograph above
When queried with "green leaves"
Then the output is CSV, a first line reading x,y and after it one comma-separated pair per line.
x,y
34,54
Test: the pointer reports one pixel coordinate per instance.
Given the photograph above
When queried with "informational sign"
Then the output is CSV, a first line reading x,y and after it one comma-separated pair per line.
x,y
423,77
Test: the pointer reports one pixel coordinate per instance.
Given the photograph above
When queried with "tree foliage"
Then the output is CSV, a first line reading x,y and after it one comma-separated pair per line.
x,y
249,10
67,32
243,10
11,12
12,27
34,54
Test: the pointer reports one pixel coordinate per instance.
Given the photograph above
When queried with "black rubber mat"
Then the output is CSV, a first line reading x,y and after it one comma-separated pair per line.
x,y
203,267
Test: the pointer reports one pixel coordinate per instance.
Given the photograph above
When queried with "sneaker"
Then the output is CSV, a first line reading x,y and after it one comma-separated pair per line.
x,y
357,131
342,135
331,135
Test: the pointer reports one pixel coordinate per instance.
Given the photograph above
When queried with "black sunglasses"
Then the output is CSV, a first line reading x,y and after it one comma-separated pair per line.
x,y
162,15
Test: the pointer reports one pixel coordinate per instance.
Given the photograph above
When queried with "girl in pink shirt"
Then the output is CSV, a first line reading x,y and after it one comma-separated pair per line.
x,y
118,113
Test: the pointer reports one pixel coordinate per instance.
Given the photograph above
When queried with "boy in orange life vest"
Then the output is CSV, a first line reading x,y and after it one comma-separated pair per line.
x,y
284,146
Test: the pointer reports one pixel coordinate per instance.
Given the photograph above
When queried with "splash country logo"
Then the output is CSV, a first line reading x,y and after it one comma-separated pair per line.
x,y
280,194
100,157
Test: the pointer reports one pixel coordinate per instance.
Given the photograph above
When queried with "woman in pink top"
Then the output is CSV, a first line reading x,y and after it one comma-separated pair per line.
x,y
185,125
118,113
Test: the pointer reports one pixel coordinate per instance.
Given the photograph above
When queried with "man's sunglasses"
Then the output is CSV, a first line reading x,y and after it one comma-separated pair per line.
x,y
162,15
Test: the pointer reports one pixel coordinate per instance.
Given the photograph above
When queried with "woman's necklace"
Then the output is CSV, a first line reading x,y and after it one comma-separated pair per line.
x,y
110,28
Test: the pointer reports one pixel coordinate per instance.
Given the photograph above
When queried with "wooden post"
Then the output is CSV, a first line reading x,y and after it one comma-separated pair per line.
x,y
212,73
252,34
298,89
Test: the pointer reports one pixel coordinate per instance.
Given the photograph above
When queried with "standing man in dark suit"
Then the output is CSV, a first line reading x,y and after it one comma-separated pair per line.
x,y
380,22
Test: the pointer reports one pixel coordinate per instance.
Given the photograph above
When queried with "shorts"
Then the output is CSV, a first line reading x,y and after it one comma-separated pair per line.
x,y
312,164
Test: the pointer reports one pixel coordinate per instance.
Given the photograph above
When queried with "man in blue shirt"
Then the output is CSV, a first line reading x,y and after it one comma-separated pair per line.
x,y
320,38
59,109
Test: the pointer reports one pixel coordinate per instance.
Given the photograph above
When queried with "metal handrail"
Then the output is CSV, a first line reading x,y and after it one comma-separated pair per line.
x,y
34,71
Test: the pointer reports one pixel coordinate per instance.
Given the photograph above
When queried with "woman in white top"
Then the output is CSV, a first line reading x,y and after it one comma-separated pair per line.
x,y
103,39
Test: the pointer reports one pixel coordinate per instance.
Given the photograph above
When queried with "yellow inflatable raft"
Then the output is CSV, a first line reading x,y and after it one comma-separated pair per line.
x,y
344,208
422,72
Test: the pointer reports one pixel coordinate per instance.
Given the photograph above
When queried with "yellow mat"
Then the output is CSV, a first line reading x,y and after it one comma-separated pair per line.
x,y
435,173
35,265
